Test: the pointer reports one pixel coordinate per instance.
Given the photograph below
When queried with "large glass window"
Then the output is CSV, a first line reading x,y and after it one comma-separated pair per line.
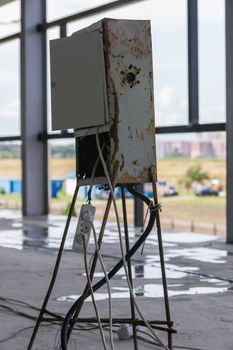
x,y
211,61
10,88
10,175
169,35
60,8
62,179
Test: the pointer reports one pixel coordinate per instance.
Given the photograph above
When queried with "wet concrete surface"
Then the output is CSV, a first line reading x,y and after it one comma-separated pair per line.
x,y
199,271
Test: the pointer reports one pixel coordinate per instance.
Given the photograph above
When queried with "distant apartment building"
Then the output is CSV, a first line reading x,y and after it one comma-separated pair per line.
x,y
205,145
177,148
219,147
202,149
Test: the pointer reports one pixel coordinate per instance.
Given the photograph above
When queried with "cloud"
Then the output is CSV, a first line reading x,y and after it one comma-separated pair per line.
x,y
211,10
213,113
8,78
167,97
10,109
171,108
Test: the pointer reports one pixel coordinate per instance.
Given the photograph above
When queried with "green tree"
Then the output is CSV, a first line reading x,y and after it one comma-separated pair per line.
x,y
195,173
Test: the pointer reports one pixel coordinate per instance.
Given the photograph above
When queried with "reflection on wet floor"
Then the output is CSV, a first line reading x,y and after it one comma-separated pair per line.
x,y
150,271
149,291
21,233
183,254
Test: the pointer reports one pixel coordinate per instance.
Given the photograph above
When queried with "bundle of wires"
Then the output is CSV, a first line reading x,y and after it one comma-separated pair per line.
x,y
121,263
114,270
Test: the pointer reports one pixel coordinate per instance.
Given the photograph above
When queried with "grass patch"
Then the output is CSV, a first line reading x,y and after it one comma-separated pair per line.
x,y
198,209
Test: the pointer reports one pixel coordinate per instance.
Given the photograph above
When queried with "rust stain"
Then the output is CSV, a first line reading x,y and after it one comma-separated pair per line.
x,y
114,127
141,137
118,56
142,177
113,37
130,135
138,52
151,88
129,76
150,130
122,163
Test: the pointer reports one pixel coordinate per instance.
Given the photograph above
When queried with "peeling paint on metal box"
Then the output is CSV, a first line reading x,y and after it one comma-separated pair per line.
x,y
130,98
123,59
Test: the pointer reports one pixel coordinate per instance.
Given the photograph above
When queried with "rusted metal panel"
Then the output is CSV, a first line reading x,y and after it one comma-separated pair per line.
x,y
126,100
130,98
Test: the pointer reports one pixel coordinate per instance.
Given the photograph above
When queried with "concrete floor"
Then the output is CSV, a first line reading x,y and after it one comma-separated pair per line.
x,y
200,283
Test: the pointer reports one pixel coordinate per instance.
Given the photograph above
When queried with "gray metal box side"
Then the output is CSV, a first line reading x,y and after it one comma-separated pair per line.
x,y
78,84
131,98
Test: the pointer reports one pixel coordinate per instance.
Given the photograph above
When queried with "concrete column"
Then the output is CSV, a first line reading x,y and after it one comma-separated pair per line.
x,y
229,112
33,108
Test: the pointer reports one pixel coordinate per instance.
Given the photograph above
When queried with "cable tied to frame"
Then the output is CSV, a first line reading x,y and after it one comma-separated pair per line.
x,y
155,207
117,267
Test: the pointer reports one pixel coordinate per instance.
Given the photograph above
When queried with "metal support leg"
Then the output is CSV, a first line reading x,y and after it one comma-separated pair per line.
x,y
55,271
129,266
162,263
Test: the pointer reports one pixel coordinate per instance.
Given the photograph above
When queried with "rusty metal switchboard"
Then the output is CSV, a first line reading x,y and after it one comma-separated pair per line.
x,y
125,103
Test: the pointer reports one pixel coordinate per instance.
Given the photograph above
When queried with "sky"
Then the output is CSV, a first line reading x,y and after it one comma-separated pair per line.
x,y
169,39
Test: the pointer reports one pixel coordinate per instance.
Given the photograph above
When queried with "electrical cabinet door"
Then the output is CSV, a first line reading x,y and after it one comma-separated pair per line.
x,y
78,85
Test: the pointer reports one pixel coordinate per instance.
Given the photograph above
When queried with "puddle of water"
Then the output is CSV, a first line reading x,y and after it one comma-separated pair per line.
x,y
203,254
47,233
148,291
187,237
10,214
17,224
19,239
215,281
146,271
12,239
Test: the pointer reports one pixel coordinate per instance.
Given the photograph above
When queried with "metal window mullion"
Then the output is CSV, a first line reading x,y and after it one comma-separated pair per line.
x,y
229,116
92,11
11,37
63,30
193,62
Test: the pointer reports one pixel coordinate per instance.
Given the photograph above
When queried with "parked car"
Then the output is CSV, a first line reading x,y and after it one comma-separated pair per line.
x,y
164,189
206,191
170,191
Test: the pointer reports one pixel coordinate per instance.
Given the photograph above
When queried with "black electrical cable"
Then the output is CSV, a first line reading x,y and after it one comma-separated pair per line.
x,y
116,268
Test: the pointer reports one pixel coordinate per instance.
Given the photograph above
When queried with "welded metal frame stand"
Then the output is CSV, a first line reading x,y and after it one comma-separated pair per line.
x,y
156,324
133,320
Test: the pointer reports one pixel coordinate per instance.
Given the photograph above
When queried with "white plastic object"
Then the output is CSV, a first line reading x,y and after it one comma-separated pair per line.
x,y
86,216
125,332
